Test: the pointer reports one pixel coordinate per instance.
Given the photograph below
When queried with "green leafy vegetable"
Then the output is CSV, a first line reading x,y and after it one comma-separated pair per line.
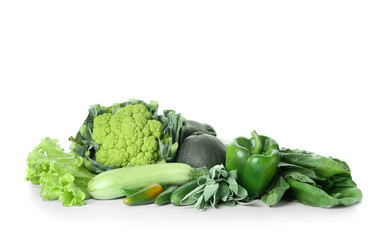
x,y
312,179
61,175
218,187
275,191
323,167
173,125
310,195
317,196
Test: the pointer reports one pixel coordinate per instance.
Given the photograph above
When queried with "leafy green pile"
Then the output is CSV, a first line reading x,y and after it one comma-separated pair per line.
x,y
218,187
312,179
132,133
61,175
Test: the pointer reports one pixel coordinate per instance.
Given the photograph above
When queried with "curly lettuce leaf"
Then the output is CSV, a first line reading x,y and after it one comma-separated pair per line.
x,y
61,175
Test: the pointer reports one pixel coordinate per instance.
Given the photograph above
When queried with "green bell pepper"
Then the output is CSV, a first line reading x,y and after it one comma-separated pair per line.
x,y
255,160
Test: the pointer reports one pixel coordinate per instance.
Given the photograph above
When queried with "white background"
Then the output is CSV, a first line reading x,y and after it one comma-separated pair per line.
x,y
302,72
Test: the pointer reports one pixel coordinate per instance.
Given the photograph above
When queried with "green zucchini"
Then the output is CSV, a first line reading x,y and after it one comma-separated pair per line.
x,y
182,191
107,185
164,197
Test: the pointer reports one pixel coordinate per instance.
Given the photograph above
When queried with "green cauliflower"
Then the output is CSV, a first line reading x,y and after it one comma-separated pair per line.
x,y
128,137
127,133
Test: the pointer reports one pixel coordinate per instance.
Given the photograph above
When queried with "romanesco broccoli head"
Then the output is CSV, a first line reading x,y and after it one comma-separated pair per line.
x,y
128,137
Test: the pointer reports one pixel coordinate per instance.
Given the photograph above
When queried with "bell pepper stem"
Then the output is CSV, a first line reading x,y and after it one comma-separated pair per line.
x,y
258,144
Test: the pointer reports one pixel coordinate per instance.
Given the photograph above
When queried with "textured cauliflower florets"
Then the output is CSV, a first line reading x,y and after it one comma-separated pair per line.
x,y
128,137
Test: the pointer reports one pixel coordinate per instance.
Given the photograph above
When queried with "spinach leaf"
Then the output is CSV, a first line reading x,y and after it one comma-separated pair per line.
x,y
299,177
287,167
309,195
347,196
275,191
324,167
342,192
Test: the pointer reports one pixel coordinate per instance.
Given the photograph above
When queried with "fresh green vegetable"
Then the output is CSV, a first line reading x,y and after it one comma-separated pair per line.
x,y
61,175
146,195
219,187
164,197
182,191
275,191
323,167
331,186
107,185
129,192
129,133
255,160
128,145
128,137
174,125
202,150
313,180
194,126
309,195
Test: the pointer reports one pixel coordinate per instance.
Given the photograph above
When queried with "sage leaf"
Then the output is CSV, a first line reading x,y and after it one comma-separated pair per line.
x,y
233,174
200,204
241,193
233,185
219,187
191,198
230,203
223,192
210,190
